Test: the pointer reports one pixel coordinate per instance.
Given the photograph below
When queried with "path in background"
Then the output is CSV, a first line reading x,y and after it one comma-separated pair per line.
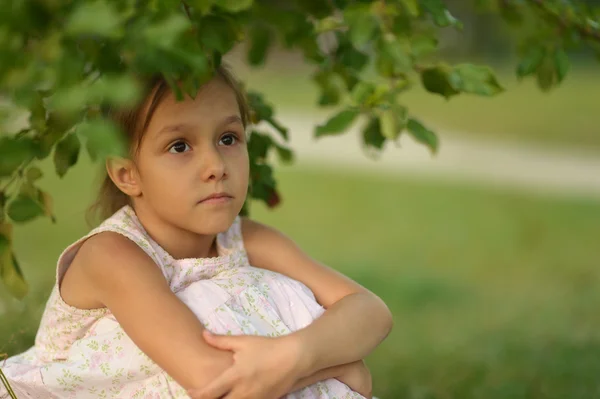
x,y
551,171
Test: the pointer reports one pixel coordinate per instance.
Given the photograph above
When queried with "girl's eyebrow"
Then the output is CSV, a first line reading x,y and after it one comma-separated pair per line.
x,y
182,127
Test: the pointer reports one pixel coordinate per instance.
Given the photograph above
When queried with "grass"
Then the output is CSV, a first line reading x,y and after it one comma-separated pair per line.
x,y
493,293
564,117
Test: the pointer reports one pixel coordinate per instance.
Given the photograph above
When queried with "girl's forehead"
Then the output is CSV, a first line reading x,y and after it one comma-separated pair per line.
x,y
215,99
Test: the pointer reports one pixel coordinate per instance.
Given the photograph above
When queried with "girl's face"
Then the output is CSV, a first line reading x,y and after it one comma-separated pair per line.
x,y
194,149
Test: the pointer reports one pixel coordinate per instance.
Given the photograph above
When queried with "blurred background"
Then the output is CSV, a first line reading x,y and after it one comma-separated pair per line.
x,y
487,253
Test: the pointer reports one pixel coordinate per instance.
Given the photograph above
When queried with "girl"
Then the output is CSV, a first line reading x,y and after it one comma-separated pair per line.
x,y
138,299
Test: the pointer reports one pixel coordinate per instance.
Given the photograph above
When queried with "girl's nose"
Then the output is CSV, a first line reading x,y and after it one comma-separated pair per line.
x,y
213,165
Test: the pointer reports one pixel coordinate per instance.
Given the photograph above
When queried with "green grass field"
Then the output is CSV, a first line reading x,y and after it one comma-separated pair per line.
x,y
494,294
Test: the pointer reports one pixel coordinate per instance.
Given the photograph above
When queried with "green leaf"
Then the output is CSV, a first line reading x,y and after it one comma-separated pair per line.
x,y
362,24
362,91
437,80
531,61
511,15
33,173
2,204
37,119
423,44
234,5
372,136
103,138
327,24
350,57
475,79
393,121
283,131
561,62
70,99
285,154
14,152
422,134
260,108
25,208
5,237
412,6
202,6
546,74
258,145
396,53
218,33
330,92
316,8
66,153
338,123
260,40
10,271
95,18
440,14
166,32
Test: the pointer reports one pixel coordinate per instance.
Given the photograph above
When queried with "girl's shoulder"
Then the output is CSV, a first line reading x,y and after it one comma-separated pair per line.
x,y
99,255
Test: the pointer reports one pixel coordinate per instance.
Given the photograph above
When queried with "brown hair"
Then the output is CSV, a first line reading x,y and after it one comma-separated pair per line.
x,y
133,123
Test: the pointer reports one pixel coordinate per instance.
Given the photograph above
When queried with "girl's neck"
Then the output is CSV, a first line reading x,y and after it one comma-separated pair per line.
x,y
179,243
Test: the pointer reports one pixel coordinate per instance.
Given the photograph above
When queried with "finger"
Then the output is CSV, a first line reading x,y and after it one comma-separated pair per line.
x,y
224,342
217,388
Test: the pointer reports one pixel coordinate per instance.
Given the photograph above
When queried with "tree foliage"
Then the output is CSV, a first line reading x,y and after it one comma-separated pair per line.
x,y
63,62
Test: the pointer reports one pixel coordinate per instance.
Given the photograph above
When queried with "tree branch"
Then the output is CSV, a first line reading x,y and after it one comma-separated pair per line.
x,y
585,31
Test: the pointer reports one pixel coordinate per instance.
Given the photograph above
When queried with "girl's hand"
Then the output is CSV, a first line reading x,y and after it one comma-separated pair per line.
x,y
263,367
358,377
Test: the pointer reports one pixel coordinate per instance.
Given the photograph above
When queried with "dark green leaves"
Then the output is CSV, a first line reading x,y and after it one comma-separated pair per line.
x,y
96,17
263,111
234,5
260,145
422,134
468,78
561,63
167,32
338,124
25,207
393,58
437,80
261,38
475,79
531,61
440,14
10,270
66,154
393,121
103,138
362,23
549,65
218,33
13,153
371,134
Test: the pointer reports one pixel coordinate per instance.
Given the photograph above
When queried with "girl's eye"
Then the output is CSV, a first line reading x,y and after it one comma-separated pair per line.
x,y
228,140
179,147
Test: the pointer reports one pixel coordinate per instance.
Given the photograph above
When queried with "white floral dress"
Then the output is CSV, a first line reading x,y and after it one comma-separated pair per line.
x,y
85,354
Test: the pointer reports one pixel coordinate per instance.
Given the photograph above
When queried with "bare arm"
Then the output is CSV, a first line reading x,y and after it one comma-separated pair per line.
x,y
125,280
356,320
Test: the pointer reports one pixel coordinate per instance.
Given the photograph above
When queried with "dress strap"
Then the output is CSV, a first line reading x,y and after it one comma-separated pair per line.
x,y
122,222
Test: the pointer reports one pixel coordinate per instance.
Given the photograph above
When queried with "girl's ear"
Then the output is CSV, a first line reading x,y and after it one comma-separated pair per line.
x,y
124,174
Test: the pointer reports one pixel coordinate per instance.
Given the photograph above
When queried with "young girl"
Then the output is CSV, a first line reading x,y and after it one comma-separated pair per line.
x,y
138,299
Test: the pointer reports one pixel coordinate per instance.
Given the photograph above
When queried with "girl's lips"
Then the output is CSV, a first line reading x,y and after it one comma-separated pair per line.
x,y
217,198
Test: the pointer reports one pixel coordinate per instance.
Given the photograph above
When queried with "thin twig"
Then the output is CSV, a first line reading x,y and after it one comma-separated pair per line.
x,y
14,177
584,31
186,7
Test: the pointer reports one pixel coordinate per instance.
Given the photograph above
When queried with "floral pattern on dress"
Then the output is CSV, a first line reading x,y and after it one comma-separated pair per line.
x,y
85,354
